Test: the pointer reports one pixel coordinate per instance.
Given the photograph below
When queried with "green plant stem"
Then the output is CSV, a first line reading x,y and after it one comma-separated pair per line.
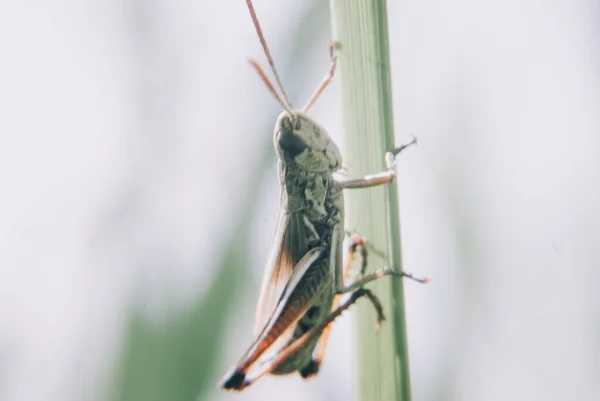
x,y
361,35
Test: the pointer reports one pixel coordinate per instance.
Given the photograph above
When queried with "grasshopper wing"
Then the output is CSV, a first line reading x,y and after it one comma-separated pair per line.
x,y
288,247
291,306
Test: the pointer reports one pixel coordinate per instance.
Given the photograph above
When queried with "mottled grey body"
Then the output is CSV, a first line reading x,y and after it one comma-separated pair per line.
x,y
315,202
312,216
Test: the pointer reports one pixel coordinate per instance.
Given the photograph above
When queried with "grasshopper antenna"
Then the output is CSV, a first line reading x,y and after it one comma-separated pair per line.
x,y
270,86
285,102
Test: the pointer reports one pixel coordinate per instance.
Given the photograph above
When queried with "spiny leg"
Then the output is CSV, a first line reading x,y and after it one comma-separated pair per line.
x,y
385,177
294,347
380,274
327,80
359,241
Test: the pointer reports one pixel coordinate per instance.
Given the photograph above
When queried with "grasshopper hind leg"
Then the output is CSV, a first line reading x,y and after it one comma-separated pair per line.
x,y
357,242
309,336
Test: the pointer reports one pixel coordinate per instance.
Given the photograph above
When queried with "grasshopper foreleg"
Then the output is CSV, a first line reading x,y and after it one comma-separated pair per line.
x,y
326,80
385,177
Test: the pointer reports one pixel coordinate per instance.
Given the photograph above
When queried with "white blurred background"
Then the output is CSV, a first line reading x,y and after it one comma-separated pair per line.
x,y
139,194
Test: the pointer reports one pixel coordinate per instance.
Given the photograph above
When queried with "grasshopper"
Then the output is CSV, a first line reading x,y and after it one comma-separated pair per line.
x,y
305,275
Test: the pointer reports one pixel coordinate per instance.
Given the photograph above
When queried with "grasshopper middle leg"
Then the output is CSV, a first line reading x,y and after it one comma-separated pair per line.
x,y
359,242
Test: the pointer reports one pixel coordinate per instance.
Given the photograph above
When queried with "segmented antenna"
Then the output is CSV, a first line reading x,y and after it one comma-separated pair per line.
x,y
288,104
270,86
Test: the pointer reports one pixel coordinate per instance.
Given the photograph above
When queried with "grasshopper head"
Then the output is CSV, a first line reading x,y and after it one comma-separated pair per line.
x,y
299,138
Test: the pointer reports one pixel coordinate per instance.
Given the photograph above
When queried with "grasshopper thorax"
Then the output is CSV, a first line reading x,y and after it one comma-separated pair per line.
x,y
300,139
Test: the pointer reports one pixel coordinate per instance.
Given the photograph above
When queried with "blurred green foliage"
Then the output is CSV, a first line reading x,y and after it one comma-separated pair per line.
x,y
175,361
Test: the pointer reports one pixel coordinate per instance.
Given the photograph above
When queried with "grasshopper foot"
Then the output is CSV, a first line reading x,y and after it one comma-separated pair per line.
x,y
390,157
310,370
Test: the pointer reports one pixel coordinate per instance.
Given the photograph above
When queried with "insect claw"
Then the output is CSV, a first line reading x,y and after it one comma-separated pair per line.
x,y
413,141
390,157
331,49
422,280
380,320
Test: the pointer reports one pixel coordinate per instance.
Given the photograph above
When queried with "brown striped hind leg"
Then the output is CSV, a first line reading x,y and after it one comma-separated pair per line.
x,y
290,308
316,331
357,242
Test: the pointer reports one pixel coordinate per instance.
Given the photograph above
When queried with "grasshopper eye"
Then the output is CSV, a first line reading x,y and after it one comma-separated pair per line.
x,y
290,143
